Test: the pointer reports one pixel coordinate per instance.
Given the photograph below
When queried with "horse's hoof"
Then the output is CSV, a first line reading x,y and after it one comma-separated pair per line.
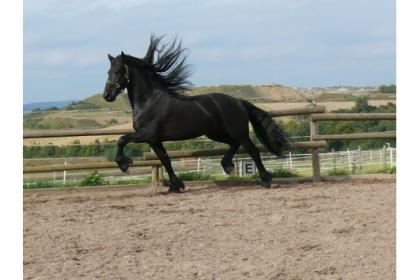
x,y
176,187
123,167
266,185
124,163
266,180
181,185
174,190
230,170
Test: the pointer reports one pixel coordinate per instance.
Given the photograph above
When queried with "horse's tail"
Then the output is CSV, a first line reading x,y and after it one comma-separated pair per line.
x,y
267,131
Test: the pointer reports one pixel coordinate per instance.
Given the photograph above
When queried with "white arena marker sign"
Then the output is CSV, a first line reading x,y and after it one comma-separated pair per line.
x,y
248,168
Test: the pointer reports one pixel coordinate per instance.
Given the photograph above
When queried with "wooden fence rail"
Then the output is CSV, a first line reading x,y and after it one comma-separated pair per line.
x,y
356,136
222,151
353,116
86,166
75,133
150,159
297,111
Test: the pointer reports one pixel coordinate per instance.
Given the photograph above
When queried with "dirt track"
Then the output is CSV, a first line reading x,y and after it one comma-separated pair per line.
x,y
342,230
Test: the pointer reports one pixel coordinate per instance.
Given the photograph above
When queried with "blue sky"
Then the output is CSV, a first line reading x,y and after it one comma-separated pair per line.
x,y
299,43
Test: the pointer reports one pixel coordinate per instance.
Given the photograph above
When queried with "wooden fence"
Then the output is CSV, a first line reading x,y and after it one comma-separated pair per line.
x,y
317,113
315,118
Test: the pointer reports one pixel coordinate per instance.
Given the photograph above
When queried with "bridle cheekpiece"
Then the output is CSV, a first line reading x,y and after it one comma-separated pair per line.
x,y
126,80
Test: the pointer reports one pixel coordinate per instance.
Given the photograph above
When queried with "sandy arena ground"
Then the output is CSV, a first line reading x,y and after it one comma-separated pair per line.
x,y
330,230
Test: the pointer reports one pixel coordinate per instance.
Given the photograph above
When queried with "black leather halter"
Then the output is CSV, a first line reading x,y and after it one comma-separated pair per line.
x,y
126,80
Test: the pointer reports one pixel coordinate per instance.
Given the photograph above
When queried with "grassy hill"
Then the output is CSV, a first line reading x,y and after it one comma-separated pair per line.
x,y
98,102
95,113
258,94
44,105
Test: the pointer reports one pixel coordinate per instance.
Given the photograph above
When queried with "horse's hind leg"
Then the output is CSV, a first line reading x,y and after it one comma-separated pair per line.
x,y
252,150
175,184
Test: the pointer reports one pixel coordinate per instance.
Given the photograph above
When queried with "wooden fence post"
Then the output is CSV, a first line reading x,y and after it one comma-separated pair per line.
x,y
155,176
316,169
161,179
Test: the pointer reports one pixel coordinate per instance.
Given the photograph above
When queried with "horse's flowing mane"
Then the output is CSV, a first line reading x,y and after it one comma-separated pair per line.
x,y
169,67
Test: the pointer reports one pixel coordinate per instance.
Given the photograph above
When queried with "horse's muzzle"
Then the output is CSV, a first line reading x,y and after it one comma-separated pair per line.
x,y
109,98
110,93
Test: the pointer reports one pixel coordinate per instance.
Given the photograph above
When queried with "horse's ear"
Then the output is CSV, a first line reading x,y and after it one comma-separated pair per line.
x,y
110,57
122,54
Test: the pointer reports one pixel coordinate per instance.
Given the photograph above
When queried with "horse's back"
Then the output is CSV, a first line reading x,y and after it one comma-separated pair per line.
x,y
220,100
232,113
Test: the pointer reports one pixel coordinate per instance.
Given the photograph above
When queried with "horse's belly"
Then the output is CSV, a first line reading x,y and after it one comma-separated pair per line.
x,y
183,130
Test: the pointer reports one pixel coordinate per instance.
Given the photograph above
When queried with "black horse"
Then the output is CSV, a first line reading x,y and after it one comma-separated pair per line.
x,y
162,113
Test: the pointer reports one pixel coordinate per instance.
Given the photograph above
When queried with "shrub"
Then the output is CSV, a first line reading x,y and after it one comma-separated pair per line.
x,y
387,170
110,153
38,185
81,105
388,89
284,173
337,172
145,180
93,179
194,176
112,121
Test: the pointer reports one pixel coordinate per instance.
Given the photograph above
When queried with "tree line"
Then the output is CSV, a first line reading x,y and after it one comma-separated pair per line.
x,y
297,126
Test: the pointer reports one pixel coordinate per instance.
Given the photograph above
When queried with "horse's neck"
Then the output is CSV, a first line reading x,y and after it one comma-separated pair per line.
x,y
137,90
130,97
141,93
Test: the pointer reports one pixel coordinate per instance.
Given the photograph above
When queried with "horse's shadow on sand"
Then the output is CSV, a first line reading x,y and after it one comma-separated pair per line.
x,y
230,186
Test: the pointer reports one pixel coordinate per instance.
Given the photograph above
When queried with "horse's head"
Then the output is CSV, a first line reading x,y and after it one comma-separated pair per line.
x,y
118,78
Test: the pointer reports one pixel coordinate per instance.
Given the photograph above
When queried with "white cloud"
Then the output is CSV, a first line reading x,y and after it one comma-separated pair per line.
x,y
59,7
290,5
297,40
65,56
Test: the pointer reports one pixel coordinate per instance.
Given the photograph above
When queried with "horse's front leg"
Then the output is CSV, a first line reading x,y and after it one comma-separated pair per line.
x,y
176,184
122,160
227,163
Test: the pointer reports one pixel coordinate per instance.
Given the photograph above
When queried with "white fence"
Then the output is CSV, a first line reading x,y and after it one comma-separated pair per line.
x,y
349,160
352,161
